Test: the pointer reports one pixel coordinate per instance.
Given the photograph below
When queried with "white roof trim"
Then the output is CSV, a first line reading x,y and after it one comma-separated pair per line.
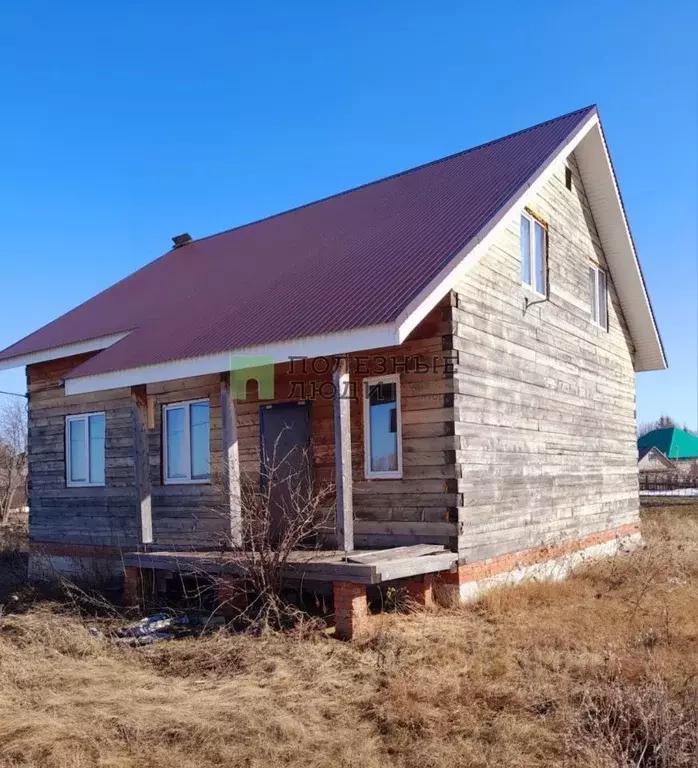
x,y
589,146
420,307
373,337
54,353
604,198
606,205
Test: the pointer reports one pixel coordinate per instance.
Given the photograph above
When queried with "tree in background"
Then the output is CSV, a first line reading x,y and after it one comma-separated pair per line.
x,y
13,454
663,422
645,427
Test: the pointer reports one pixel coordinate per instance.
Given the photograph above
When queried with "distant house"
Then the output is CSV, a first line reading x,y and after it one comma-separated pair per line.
x,y
676,445
470,331
653,460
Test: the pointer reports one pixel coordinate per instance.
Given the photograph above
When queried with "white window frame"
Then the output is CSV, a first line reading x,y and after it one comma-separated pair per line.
x,y
390,474
597,320
532,222
68,469
186,404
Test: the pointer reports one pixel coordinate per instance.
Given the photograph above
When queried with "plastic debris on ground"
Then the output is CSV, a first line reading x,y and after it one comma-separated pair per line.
x,y
164,626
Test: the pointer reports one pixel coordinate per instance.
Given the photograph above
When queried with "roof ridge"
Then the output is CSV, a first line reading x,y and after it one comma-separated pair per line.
x,y
588,108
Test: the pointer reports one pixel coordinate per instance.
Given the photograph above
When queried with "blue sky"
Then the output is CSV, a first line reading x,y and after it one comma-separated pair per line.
x,y
126,123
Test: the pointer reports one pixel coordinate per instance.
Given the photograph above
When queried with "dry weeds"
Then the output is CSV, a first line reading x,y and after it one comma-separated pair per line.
x,y
599,670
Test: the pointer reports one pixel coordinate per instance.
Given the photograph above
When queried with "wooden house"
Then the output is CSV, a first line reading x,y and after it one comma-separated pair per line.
x,y
456,345
676,445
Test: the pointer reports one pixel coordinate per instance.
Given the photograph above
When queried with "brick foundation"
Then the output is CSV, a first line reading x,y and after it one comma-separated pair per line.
x,y
350,610
420,592
131,587
486,572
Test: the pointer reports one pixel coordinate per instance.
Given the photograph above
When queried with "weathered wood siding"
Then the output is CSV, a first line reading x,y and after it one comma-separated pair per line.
x,y
531,440
420,507
190,515
108,516
545,400
183,515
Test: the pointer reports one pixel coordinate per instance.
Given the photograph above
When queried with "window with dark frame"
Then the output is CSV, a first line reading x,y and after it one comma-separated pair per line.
x,y
568,177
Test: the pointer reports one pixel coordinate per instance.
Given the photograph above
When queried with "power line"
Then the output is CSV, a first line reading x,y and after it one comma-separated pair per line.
x,y
12,394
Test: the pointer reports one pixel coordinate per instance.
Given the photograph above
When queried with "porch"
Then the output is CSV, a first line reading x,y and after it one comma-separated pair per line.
x,y
349,573
371,566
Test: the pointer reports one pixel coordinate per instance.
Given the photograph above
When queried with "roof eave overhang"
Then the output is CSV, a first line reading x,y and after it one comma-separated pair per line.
x,y
594,161
612,225
333,344
68,350
589,145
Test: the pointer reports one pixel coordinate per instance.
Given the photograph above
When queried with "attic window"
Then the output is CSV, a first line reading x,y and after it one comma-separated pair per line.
x,y
599,297
533,254
568,177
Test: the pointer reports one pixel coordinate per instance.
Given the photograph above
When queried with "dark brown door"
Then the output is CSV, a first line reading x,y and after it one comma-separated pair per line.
x,y
286,462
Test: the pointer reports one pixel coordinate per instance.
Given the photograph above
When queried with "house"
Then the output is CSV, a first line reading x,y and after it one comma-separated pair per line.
x,y
677,445
456,344
651,459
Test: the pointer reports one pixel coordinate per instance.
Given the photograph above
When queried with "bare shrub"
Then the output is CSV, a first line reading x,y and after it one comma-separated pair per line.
x,y
545,675
287,517
637,724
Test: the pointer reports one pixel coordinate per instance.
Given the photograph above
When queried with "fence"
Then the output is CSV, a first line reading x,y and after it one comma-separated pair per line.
x,y
667,481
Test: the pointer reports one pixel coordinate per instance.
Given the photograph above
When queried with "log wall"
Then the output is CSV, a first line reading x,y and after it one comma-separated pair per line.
x,y
420,507
527,441
108,516
545,400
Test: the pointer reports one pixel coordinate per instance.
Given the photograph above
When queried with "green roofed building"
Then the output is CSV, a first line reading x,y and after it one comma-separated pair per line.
x,y
675,444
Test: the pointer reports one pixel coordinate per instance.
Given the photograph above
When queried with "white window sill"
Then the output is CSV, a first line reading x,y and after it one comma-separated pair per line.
x,y
533,291
168,481
86,485
384,475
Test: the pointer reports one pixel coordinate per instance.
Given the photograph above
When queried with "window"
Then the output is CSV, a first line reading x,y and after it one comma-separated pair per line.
x,y
84,449
382,427
599,294
186,442
568,177
533,236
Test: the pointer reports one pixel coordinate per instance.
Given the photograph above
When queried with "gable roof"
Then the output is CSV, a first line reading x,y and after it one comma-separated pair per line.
x,y
652,452
674,443
357,270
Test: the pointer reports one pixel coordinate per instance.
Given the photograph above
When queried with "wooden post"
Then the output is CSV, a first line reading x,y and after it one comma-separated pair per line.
x,y
231,461
141,461
344,523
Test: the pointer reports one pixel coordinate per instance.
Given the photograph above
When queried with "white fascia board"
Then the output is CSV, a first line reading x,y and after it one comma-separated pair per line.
x,y
594,162
607,208
420,307
374,337
54,353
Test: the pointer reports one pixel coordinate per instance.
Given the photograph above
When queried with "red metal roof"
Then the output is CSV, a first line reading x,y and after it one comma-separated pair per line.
x,y
353,260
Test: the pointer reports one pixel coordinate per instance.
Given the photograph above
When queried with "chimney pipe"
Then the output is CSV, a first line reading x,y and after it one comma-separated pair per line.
x,y
180,240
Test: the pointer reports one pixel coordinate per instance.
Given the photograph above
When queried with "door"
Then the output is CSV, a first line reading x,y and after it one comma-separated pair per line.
x,y
286,463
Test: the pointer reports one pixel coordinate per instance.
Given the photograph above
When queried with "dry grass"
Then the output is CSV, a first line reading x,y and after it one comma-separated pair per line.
x,y
597,671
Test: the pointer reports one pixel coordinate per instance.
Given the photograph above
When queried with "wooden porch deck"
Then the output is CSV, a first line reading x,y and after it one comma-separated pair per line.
x,y
358,567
